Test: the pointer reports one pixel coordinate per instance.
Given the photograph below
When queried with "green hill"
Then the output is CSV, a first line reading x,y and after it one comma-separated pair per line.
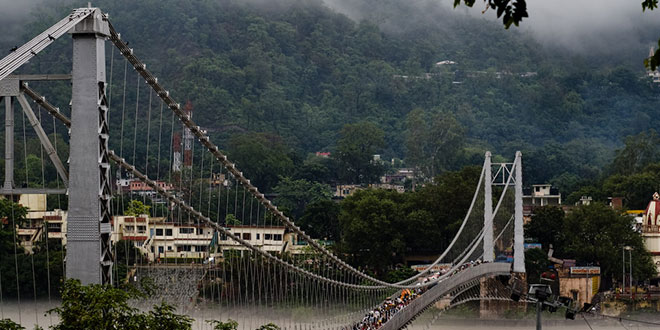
x,y
300,70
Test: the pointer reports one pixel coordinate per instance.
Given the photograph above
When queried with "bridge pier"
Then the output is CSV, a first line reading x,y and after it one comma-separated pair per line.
x,y
493,309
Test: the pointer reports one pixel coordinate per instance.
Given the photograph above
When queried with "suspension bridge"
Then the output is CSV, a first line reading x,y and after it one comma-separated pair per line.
x,y
250,281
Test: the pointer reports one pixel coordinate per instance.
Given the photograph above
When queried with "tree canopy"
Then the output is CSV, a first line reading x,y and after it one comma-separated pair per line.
x,y
592,234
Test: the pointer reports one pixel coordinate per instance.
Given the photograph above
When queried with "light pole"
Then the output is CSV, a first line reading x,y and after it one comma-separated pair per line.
x,y
623,272
630,262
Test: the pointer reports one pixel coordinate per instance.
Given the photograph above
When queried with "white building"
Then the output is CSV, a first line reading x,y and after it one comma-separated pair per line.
x,y
542,195
162,241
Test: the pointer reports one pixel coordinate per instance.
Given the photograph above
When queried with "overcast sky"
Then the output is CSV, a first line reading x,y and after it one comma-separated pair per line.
x,y
580,25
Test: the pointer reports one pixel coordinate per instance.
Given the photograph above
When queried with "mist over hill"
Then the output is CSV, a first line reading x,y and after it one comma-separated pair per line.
x,y
302,69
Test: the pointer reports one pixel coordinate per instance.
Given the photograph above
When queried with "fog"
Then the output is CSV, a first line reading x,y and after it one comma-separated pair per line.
x,y
585,27
13,15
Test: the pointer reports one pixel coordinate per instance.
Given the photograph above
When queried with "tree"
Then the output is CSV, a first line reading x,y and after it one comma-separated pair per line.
x,y
104,307
321,220
546,226
636,188
7,324
219,325
262,157
445,140
433,147
536,262
639,151
163,317
355,149
137,208
416,133
444,203
319,169
231,220
294,195
596,234
373,228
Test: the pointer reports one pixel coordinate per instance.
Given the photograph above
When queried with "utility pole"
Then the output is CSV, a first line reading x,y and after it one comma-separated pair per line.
x,y
539,309
630,274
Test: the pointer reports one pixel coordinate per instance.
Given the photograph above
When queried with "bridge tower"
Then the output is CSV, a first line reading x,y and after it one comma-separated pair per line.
x,y
506,174
489,250
88,253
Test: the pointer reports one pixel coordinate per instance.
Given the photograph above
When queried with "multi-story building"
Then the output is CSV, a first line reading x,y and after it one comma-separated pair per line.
x,y
160,240
39,221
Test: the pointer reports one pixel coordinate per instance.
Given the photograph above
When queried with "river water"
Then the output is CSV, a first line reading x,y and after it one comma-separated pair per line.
x,y
31,313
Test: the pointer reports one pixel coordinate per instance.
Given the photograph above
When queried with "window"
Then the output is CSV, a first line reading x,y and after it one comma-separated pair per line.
x,y
169,248
184,248
268,236
538,189
186,230
160,249
223,237
159,232
200,248
168,232
142,229
54,227
152,249
130,228
257,236
247,236
277,237
200,231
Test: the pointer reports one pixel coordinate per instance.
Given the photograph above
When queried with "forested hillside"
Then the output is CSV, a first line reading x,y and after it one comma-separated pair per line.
x,y
298,71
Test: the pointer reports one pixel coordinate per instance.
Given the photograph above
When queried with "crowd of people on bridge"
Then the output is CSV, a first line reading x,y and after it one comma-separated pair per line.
x,y
381,314
377,317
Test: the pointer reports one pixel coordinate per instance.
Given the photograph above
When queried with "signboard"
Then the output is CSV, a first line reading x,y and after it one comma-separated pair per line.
x,y
585,270
532,246
595,284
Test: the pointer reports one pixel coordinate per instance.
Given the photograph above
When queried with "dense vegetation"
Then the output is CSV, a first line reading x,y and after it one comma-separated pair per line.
x,y
296,72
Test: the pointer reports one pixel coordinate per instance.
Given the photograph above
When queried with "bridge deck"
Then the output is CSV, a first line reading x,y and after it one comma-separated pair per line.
x,y
401,318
